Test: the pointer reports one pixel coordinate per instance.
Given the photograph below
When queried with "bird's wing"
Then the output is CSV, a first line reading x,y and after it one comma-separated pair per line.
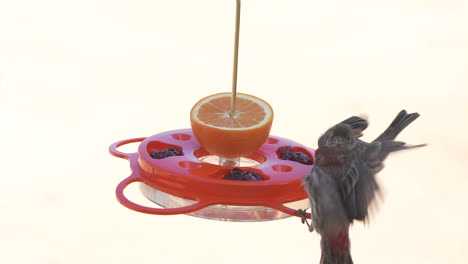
x,y
358,125
328,212
375,153
359,189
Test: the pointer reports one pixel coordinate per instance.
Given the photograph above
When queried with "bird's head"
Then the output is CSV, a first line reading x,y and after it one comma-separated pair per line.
x,y
342,137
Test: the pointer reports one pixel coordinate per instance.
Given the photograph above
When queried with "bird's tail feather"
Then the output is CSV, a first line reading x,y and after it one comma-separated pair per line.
x,y
401,121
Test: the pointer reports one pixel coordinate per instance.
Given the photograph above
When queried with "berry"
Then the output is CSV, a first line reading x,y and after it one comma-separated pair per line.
x,y
155,154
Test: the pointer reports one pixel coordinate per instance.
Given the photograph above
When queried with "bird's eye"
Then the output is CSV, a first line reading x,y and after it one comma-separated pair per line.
x,y
348,138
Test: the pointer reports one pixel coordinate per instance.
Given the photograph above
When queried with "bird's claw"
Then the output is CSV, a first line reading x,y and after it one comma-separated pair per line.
x,y
303,214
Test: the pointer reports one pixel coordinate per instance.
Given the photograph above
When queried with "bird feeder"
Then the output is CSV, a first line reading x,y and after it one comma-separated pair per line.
x,y
193,183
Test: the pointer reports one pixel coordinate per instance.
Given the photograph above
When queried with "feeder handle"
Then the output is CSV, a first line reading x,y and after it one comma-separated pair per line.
x,y
283,208
113,148
151,210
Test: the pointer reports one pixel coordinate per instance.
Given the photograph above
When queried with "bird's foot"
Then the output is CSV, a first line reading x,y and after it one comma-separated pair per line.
x,y
303,214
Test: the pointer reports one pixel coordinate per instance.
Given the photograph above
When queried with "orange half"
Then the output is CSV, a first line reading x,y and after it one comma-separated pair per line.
x,y
231,136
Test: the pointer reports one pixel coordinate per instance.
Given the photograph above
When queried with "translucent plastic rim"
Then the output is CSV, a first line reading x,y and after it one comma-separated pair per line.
x,y
221,212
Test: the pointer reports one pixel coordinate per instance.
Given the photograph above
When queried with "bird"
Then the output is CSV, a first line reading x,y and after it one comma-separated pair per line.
x,y
342,185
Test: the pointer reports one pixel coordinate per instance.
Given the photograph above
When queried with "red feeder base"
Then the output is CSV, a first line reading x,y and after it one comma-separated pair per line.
x,y
188,185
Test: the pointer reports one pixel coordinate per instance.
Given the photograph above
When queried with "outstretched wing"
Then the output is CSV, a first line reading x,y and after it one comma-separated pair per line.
x,y
328,212
357,124
375,153
359,189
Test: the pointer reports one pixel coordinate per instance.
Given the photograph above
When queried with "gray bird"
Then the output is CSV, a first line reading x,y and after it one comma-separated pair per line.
x,y
342,185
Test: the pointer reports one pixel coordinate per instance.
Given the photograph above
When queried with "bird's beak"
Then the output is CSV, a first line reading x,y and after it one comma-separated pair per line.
x,y
339,140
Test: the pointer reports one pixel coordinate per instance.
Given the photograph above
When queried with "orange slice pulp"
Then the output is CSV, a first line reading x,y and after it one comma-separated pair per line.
x,y
233,136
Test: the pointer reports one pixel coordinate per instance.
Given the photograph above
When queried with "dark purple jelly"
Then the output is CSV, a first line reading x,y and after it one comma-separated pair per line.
x,y
237,174
287,153
155,154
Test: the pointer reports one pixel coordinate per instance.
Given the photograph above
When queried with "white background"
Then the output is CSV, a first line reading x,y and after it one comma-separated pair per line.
x,y
76,76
